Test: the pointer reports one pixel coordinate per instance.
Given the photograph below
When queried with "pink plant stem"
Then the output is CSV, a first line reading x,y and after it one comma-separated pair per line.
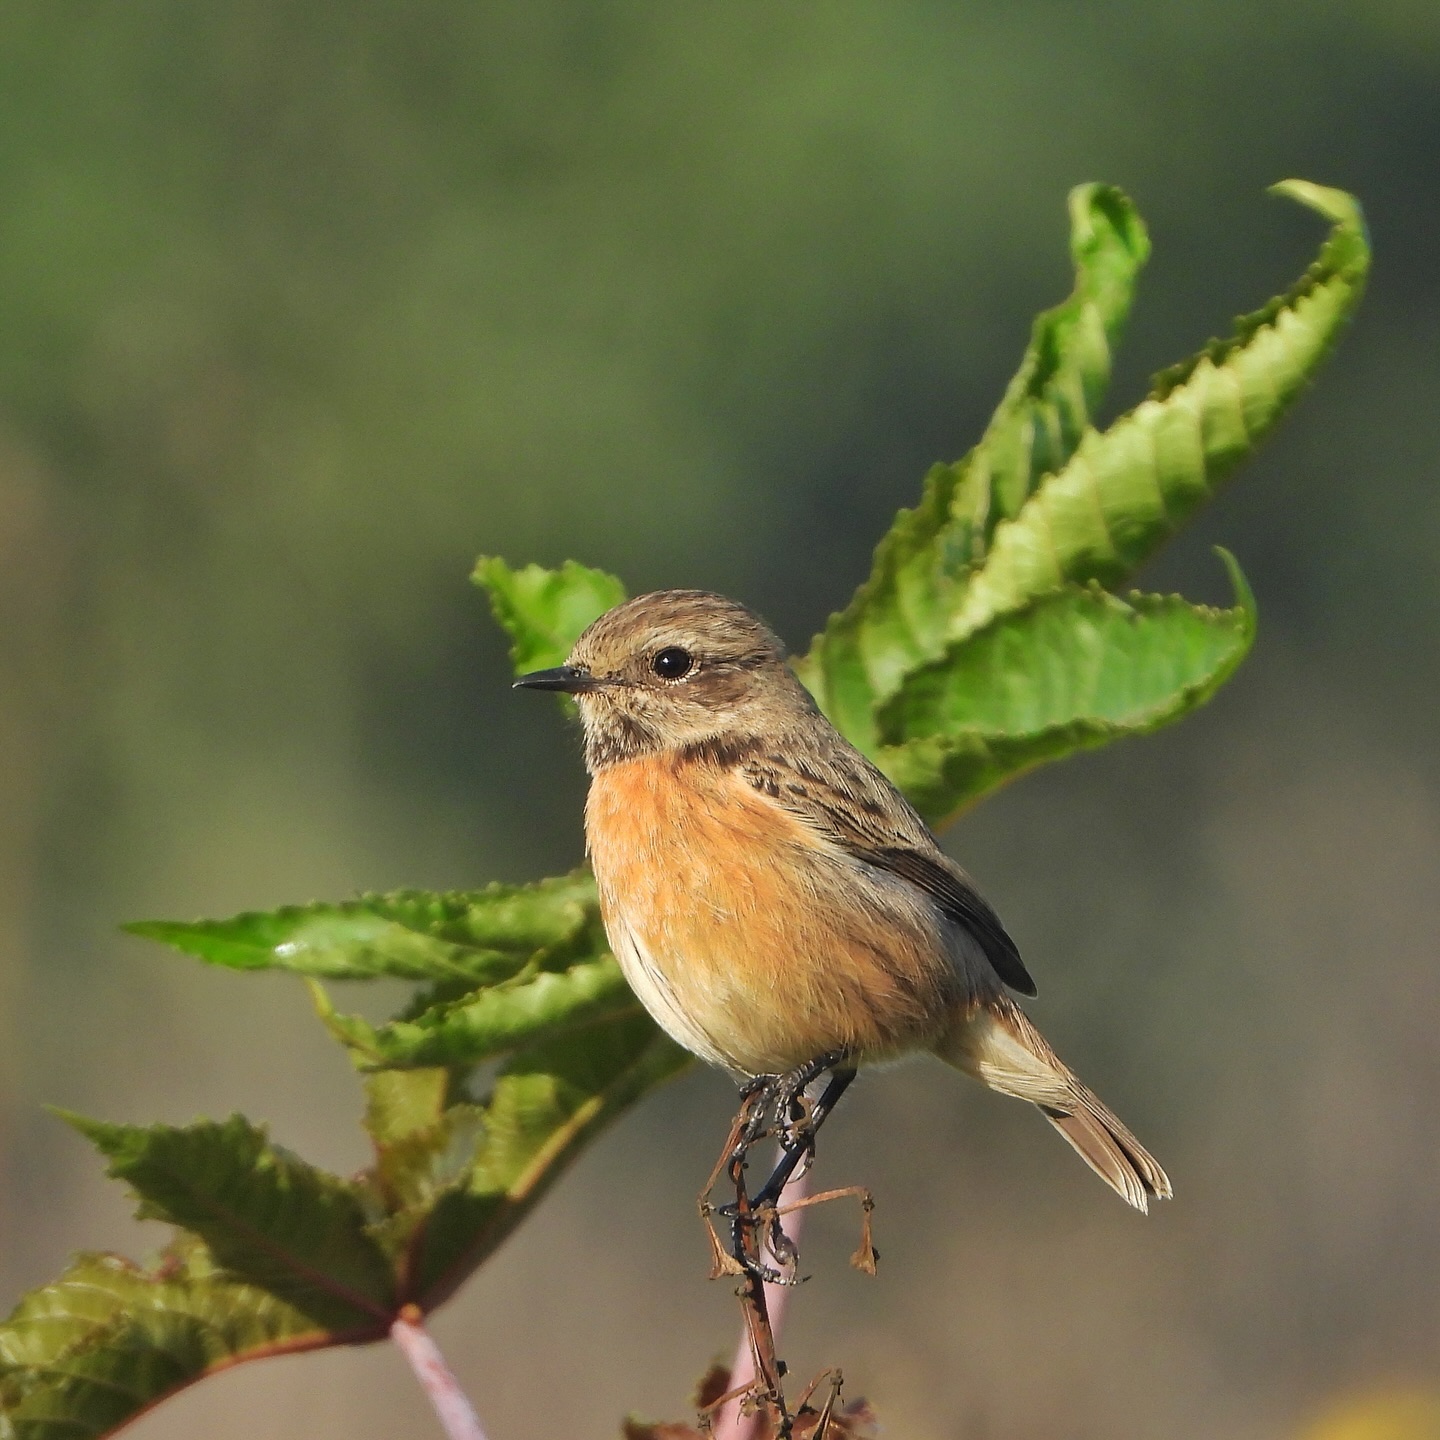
x,y
730,1424
457,1416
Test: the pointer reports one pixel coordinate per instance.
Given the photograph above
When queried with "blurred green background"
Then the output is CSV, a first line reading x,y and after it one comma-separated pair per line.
x,y
302,306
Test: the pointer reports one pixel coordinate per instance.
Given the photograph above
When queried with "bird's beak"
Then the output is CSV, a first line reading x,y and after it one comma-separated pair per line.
x,y
569,678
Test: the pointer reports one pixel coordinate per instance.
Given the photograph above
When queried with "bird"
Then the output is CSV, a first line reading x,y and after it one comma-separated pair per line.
x,y
775,903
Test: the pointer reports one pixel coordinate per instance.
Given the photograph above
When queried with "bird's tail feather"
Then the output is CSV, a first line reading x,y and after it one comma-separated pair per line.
x,y
998,1045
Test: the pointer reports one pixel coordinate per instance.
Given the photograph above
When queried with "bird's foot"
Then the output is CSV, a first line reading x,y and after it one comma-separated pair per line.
x,y
770,1106
783,1109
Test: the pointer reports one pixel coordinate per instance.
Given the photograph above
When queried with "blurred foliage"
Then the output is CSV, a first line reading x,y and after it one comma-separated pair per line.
x,y
1398,1413
276,1255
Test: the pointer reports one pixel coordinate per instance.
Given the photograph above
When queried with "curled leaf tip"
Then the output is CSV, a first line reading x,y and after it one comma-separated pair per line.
x,y
1093,201
1338,206
1244,595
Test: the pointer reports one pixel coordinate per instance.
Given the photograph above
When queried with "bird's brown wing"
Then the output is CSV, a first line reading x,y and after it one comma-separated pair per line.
x,y
846,799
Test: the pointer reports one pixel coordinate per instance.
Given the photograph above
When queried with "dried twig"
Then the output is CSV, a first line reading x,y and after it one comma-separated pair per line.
x,y
730,1420
753,1403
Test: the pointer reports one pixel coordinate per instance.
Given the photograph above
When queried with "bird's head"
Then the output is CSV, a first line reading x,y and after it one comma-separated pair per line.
x,y
672,670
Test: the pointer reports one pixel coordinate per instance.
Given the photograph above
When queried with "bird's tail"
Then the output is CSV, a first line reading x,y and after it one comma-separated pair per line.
x,y
997,1044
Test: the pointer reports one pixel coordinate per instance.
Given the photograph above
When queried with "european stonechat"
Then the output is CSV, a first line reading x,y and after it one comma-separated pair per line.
x,y
769,894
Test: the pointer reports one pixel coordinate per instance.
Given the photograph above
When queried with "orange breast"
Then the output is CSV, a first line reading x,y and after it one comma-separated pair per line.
x,y
763,944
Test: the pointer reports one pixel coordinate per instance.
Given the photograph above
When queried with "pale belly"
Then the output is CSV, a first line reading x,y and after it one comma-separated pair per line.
x,y
754,944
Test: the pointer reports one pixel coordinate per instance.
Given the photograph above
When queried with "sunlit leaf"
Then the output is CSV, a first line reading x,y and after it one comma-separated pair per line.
x,y
267,1216
84,1355
309,1260
899,617
1126,491
1073,670
478,936
1107,501
498,1018
543,611
424,1145
548,1102
400,1104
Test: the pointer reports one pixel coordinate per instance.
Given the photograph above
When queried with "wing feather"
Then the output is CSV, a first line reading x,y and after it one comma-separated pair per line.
x,y
849,801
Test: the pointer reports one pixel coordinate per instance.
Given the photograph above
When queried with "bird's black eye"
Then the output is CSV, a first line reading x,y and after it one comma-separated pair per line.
x,y
672,663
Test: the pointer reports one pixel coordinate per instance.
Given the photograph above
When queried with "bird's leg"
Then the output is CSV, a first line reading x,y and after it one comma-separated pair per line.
x,y
797,1147
793,1112
796,1121
746,1255
777,1105
798,1135
758,1101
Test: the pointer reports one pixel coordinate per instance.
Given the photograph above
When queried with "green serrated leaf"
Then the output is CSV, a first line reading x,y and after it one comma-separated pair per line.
x,y
86,1354
544,611
494,1020
418,1168
423,1146
1073,670
472,937
290,1265
267,1216
900,617
1125,492
548,1103
402,1103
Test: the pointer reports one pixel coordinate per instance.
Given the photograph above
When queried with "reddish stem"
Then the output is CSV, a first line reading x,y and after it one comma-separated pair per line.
x,y
457,1415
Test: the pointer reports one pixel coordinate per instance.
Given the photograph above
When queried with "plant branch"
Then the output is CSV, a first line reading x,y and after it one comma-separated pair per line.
x,y
730,1421
414,1342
